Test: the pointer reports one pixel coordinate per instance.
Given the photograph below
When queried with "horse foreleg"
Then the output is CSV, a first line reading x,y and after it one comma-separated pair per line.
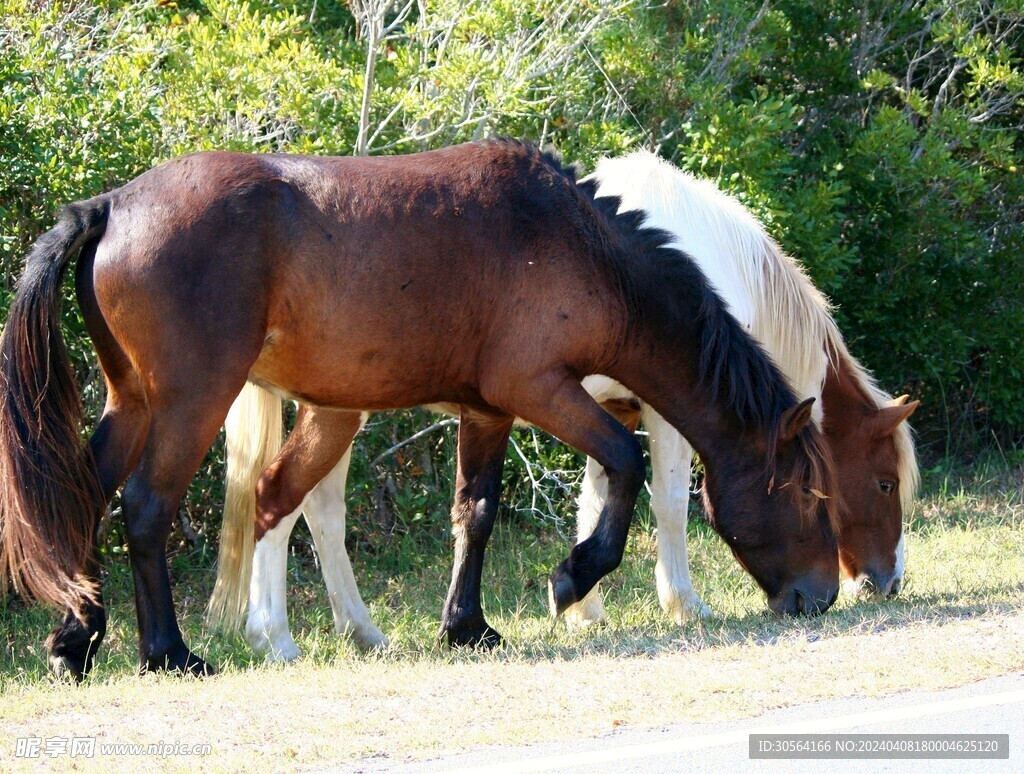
x,y
562,407
671,458
593,494
483,440
325,510
313,449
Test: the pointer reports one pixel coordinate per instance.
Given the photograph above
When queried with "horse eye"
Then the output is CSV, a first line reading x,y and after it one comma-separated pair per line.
x,y
886,486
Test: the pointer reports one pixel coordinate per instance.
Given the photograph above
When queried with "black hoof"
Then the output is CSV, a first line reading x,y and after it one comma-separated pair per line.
x,y
479,637
66,668
561,590
180,661
72,645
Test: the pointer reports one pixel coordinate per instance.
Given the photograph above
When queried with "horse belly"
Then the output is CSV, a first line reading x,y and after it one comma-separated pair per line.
x,y
357,359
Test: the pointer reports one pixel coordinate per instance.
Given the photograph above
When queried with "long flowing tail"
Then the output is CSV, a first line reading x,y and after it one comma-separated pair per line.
x,y
50,494
253,431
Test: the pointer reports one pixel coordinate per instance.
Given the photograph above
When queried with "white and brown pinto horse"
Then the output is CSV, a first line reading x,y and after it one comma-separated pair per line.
x,y
766,291
483,275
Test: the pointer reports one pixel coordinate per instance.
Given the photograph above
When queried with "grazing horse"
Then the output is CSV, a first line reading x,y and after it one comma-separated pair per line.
x,y
483,275
766,291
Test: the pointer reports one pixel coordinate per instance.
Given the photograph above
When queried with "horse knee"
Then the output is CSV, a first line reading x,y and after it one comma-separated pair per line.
x,y
630,470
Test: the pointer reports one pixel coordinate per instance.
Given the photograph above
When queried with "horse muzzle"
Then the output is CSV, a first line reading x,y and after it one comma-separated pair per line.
x,y
874,584
805,599
886,584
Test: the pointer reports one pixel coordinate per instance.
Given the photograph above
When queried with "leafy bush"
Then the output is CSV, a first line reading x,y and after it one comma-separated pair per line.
x,y
879,141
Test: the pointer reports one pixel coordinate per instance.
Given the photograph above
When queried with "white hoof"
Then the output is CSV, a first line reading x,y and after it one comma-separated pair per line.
x,y
368,638
684,607
284,649
588,611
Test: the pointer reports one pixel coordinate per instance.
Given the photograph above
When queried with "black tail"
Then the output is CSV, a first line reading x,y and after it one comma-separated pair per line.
x,y
50,495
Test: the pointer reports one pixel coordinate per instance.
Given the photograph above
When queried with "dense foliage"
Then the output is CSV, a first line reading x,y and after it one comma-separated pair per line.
x,y
879,140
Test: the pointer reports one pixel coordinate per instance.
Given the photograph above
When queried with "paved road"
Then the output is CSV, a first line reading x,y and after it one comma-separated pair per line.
x,y
987,707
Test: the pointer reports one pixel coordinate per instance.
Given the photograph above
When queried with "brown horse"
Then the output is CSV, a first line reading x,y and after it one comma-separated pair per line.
x,y
767,292
482,275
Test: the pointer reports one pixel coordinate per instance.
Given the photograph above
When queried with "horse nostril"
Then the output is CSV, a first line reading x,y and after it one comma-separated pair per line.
x,y
799,602
882,584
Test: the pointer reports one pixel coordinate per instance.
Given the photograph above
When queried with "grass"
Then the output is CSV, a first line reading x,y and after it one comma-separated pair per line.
x,y
959,618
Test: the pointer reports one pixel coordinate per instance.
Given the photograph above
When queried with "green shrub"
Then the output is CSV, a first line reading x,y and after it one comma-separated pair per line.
x,y
880,143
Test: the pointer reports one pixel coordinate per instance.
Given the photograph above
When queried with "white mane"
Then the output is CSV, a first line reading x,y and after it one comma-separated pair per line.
x,y
765,289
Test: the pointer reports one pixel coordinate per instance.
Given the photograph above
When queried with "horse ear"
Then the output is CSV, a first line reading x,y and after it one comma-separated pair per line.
x,y
889,418
900,400
794,419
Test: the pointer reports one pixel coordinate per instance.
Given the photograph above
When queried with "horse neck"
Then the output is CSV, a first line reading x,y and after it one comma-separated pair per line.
x,y
661,367
792,321
764,288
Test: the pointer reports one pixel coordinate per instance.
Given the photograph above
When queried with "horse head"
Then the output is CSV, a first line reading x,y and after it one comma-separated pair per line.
x,y
781,524
876,482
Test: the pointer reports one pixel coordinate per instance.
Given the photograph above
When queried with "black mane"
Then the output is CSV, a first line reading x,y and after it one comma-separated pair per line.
x,y
646,268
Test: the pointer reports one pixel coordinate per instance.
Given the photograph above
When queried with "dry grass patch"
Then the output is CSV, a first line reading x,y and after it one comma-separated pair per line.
x,y
306,714
958,620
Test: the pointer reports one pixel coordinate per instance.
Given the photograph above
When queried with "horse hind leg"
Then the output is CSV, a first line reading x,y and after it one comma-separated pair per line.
x,y
325,510
115,446
483,440
313,449
182,427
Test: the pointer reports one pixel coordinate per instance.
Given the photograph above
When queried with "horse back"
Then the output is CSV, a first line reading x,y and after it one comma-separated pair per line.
x,y
361,283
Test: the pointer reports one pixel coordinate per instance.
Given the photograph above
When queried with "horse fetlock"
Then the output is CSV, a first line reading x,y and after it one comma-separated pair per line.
x,y
367,636
684,605
67,668
474,633
72,646
281,651
272,642
177,659
574,578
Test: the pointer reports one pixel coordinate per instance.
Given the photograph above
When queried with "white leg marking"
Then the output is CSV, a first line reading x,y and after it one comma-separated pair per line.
x,y
593,494
266,628
671,457
325,513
